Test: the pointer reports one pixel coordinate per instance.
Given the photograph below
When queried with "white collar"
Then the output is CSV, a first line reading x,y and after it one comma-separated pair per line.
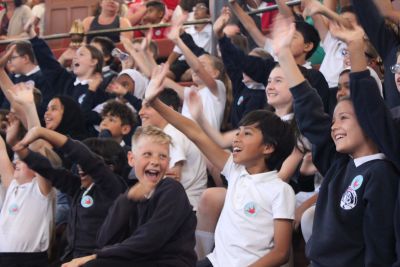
x,y
361,160
33,71
105,69
287,117
79,81
122,144
307,65
259,177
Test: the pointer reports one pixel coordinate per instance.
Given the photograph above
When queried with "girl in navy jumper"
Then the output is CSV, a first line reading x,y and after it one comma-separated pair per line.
x,y
374,116
353,223
87,65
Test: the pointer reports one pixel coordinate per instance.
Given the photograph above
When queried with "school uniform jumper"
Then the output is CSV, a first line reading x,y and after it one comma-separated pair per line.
x,y
159,230
378,124
353,223
89,206
244,98
60,80
384,40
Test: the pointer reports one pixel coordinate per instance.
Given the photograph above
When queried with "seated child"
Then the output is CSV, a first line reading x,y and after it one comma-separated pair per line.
x,y
119,120
155,11
255,225
153,224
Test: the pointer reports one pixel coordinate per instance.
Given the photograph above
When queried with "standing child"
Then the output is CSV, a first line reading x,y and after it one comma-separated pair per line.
x,y
353,223
255,225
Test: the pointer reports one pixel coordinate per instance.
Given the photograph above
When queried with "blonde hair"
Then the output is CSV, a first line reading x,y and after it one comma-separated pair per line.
x,y
156,134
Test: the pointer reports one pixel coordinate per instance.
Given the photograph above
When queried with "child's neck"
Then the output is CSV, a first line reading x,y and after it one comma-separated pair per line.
x,y
28,68
257,167
367,149
300,60
85,76
283,110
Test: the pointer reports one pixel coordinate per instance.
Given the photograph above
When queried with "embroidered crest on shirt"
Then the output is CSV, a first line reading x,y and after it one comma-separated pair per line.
x,y
349,198
87,201
13,209
250,209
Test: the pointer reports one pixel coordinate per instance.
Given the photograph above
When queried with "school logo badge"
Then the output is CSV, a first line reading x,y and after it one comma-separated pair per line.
x,y
250,209
13,209
349,198
87,201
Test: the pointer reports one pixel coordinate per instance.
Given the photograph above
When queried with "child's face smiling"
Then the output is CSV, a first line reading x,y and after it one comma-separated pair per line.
x,y
249,149
346,131
150,159
277,90
114,125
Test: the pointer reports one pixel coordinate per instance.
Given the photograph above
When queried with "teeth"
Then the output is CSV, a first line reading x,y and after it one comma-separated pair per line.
x,y
339,136
236,149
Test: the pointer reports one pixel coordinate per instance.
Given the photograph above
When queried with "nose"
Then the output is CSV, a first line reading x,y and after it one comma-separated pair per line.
x,y
155,161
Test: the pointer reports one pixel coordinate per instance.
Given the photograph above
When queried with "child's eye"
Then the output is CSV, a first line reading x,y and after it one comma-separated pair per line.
x,y
146,154
163,156
247,133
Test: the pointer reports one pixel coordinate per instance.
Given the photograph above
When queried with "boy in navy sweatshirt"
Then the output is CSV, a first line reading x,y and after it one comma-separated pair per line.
x,y
153,224
353,223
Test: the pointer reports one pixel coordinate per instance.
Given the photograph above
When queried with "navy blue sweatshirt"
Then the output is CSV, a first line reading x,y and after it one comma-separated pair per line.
x,y
244,99
353,221
375,117
60,79
159,230
384,40
84,222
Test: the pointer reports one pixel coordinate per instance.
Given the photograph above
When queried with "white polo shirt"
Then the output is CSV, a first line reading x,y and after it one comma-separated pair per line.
x,y
245,229
26,218
194,170
332,64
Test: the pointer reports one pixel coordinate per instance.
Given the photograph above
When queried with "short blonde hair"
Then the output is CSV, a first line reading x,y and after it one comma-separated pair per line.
x,y
155,133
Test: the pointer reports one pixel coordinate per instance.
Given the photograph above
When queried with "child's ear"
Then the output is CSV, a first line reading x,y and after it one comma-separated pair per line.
x,y
268,149
131,159
125,129
308,46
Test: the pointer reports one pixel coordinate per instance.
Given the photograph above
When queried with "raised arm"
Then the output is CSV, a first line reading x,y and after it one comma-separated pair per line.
x,y
314,124
224,140
6,166
191,59
188,127
248,23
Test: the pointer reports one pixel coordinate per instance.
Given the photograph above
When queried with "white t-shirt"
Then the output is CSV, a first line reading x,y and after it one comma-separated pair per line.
x,y
26,218
213,107
332,64
245,229
194,172
38,11
201,38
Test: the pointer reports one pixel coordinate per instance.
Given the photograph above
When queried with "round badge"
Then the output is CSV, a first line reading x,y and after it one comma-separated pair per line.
x,y
250,209
357,182
349,199
157,32
240,100
87,201
13,209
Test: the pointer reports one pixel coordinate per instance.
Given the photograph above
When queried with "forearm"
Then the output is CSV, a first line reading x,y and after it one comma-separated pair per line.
x,y
273,258
172,57
54,138
289,67
357,58
249,24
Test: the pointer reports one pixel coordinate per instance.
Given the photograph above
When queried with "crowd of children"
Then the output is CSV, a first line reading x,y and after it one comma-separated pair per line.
x,y
205,160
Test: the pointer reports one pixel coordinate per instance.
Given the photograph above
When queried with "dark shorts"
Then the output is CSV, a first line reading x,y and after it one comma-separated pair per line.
x,y
204,263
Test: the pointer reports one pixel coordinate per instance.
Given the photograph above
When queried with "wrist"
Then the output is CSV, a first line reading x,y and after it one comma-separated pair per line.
x,y
355,45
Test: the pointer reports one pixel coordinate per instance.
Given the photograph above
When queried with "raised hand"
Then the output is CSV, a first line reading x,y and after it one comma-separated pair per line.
x,y
222,21
195,105
144,46
22,93
156,84
12,131
347,35
282,33
31,136
311,7
175,30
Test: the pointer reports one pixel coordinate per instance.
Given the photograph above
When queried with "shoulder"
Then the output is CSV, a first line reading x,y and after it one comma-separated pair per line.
x,y
88,20
124,22
170,190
